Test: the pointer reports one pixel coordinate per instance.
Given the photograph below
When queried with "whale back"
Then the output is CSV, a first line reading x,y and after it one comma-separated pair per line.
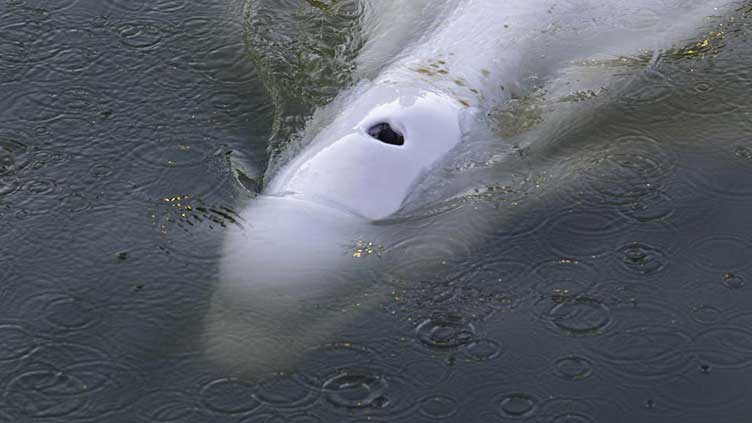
x,y
469,56
472,48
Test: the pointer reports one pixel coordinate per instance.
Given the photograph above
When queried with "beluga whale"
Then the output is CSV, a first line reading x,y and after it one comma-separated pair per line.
x,y
425,79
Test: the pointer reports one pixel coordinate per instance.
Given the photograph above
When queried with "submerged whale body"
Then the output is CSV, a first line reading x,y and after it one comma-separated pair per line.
x,y
431,71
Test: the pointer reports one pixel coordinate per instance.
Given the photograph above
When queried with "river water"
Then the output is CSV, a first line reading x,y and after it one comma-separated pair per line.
x,y
609,278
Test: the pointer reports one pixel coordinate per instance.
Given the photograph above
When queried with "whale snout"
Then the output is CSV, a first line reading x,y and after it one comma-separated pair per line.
x,y
286,240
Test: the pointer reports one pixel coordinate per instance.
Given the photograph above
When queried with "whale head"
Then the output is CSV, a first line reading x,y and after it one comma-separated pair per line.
x,y
371,155
358,169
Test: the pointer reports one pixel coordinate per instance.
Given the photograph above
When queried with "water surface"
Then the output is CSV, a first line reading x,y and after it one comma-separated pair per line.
x,y
617,289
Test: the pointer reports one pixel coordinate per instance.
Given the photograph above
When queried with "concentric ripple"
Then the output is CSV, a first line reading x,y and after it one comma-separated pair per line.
x,y
14,155
495,274
51,6
226,64
15,342
445,332
630,173
563,279
656,207
427,372
716,176
706,314
699,391
356,388
582,233
60,380
286,391
8,185
229,396
706,98
173,153
725,346
368,391
29,41
649,87
167,406
46,393
64,312
642,259
581,315
438,407
419,256
518,405
644,354
722,253
482,350
573,367
110,387
140,35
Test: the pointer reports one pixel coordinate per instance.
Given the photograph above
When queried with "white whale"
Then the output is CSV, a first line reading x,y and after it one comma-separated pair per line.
x,y
431,69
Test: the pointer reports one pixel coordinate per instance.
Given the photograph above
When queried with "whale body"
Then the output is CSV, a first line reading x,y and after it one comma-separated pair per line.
x,y
430,72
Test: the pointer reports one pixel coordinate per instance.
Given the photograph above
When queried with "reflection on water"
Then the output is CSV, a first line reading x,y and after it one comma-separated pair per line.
x,y
603,277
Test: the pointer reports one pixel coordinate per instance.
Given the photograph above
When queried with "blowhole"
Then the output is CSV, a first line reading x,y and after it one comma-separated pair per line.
x,y
386,134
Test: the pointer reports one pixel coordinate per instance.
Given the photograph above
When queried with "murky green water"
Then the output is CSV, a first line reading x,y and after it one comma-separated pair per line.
x,y
606,276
